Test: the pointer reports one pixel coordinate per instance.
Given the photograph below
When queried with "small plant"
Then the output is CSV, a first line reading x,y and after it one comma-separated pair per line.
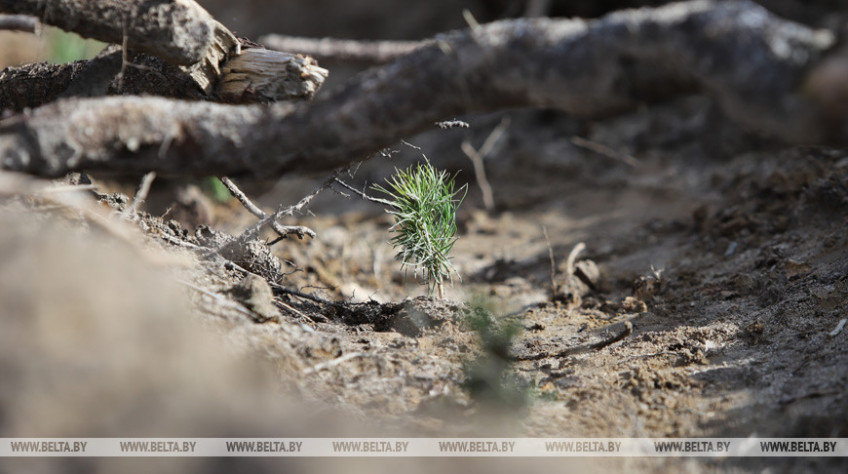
x,y
424,202
489,377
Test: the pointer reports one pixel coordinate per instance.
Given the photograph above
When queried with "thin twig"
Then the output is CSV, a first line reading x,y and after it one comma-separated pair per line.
x,y
68,188
181,243
332,363
626,330
299,294
141,194
253,231
363,195
282,230
494,137
572,257
477,158
222,300
838,327
274,286
479,175
645,356
471,21
297,312
331,49
604,150
554,286
242,198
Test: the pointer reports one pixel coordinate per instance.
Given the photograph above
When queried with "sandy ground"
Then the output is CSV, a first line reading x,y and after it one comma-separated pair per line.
x,y
705,302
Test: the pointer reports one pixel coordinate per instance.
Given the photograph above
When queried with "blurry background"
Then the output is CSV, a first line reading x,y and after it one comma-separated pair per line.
x,y
377,19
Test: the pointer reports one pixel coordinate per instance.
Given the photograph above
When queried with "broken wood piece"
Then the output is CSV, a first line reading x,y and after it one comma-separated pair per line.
x,y
263,75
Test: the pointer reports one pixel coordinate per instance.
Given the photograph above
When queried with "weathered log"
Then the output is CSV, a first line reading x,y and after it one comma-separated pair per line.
x,y
178,31
758,67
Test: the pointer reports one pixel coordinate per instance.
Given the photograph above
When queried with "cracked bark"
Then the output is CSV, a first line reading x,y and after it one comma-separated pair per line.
x,y
33,85
768,74
180,32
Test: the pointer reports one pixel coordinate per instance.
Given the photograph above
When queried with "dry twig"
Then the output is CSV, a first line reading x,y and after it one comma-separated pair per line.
x,y
477,157
332,363
617,332
282,231
253,231
554,285
141,194
604,150
331,49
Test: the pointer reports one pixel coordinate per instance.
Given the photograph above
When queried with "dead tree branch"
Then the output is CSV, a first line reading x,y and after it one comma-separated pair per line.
x,y
282,230
33,85
756,65
253,231
255,75
25,23
178,31
331,49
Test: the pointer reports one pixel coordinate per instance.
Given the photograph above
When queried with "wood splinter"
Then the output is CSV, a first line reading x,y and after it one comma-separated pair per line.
x,y
263,75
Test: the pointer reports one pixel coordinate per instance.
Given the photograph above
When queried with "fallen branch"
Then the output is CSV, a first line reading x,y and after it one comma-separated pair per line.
x,y
182,33
33,85
282,230
253,231
25,23
256,75
178,31
755,64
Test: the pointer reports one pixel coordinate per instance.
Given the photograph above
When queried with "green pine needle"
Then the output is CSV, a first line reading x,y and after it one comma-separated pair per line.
x,y
424,202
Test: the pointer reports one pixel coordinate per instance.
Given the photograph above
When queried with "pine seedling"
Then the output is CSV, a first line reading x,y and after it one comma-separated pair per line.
x,y
424,202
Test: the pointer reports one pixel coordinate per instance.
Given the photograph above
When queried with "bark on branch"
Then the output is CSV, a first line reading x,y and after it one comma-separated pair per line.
x,y
178,31
759,68
25,23
33,85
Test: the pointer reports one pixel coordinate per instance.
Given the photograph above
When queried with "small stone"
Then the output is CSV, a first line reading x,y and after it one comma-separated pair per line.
x,y
634,305
255,294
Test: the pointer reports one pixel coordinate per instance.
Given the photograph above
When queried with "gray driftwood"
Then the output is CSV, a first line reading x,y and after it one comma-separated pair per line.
x,y
768,74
